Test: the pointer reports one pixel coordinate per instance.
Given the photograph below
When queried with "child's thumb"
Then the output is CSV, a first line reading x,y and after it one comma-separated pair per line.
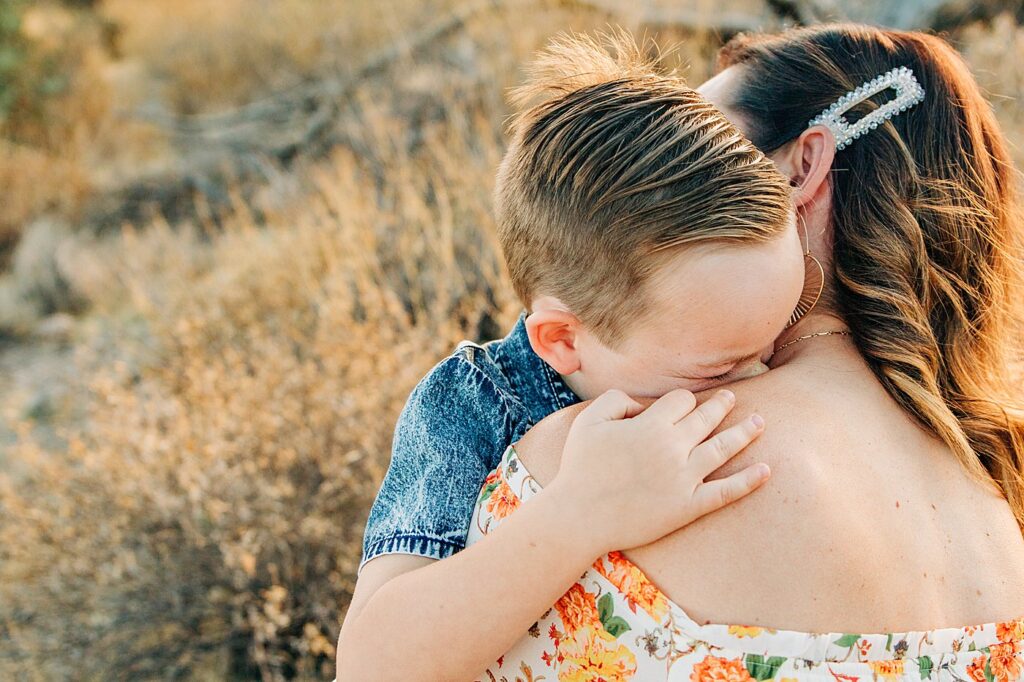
x,y
609,406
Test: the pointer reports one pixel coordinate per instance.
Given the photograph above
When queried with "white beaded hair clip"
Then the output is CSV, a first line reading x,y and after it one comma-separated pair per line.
x,y
908,93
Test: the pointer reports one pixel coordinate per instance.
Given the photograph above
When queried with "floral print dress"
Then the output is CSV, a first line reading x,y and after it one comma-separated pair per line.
x,y
614,624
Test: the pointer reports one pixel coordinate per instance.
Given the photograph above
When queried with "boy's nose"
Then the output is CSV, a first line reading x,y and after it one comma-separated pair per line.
x,y
754,369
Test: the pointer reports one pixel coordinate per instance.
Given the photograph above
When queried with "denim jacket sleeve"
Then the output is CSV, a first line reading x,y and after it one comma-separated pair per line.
x,y
451,433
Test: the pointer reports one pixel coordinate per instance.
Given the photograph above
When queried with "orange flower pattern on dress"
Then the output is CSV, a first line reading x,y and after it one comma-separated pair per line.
x,y
1011,631
615,625
499,497
715,669
502,501
976,670
1004,661
630,580
492,479
578,609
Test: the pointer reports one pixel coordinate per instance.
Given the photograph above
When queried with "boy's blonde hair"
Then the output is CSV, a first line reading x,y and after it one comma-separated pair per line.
x,y
612,164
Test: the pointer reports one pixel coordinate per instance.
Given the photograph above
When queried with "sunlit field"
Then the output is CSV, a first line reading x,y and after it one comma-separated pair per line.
x,y
233,235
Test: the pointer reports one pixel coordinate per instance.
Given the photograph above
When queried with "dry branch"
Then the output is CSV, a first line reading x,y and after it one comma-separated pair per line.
x,y
300,120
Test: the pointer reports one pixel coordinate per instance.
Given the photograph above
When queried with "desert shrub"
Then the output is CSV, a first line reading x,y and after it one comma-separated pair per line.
x,y
36,284
13,53
207,511
19,99
239,385
33,182
27,78
210,59
53,101
50,61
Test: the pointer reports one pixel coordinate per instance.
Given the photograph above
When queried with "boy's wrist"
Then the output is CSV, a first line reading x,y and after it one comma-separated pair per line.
x,y
570,522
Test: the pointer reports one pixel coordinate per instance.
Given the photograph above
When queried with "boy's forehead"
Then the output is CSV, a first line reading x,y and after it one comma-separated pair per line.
x,y
699,278
718,305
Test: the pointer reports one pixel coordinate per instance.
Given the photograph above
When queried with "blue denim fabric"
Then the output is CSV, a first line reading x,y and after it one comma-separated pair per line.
x,y
452,432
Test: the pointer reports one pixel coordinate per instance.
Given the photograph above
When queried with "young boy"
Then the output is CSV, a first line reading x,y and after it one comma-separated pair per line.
x,y
655,249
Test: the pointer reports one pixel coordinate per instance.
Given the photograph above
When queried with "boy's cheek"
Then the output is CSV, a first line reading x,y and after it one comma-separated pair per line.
x,y
646,388
659,387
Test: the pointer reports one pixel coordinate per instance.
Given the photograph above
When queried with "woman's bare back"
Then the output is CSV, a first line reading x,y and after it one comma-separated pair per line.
x,y
868,523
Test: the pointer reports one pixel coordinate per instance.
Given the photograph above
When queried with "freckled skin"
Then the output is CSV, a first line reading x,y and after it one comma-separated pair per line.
x,y
709,303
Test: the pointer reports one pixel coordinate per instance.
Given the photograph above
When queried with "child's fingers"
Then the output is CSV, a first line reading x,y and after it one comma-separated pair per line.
x,y
722,492
702,422
609,406
671,407
716,451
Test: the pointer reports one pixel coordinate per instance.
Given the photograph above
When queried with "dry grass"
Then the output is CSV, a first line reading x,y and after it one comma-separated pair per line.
x,y
208,55
239,385
208,507
996,55
236,385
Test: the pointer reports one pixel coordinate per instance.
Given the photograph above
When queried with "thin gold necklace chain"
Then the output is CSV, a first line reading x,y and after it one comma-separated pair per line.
x,y
811,336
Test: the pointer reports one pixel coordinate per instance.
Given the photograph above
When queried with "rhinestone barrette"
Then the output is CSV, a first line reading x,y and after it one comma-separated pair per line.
x,y
908,93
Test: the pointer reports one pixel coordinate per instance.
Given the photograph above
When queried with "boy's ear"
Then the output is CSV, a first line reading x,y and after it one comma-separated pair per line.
x,y
807,161
554,333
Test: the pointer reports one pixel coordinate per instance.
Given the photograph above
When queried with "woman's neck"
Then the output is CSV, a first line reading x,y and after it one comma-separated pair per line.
x,y
817,332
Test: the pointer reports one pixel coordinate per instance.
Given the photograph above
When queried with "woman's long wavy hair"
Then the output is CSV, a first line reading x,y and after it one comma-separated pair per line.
x,y
927,228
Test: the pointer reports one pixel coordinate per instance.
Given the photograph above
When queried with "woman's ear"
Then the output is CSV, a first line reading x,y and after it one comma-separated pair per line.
x,y
554,333
807,161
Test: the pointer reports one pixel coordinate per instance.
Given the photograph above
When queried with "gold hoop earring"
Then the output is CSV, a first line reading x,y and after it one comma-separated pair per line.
x,y
815,276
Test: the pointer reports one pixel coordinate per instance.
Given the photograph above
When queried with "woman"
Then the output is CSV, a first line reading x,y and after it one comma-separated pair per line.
x,y
896,502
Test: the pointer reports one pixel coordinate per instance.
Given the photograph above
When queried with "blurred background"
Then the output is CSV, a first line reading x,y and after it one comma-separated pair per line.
x,y
233,235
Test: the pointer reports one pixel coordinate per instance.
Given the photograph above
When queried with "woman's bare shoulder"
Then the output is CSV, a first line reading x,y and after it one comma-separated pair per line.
x,y
792,416
774,395
540,449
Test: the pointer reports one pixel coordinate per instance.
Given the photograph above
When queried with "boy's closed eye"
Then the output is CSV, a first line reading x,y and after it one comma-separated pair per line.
x,y
724,373
723,376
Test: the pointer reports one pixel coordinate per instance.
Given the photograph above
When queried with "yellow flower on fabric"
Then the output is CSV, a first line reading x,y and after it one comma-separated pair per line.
x,y
887,670
592,655
745,630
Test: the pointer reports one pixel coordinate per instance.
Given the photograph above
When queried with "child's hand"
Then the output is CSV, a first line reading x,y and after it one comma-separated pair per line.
x,y
635,475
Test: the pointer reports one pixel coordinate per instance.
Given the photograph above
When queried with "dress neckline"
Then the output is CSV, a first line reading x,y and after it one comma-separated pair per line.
x,y
750,639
